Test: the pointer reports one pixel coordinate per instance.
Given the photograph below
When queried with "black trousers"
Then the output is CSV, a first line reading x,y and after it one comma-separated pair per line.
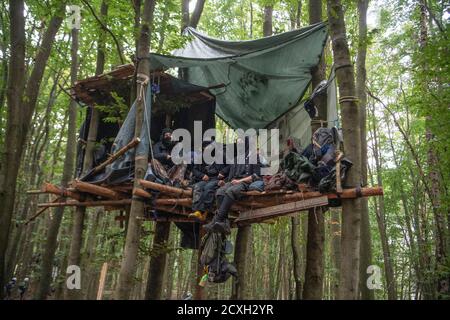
x,y
203,195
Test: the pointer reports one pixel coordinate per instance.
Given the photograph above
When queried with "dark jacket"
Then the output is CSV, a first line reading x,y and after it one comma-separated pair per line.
x,y
161,151
239,171
212,171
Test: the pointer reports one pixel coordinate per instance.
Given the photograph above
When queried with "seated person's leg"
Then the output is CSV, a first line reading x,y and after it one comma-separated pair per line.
x,y
220,193
232,194
197,205
208,194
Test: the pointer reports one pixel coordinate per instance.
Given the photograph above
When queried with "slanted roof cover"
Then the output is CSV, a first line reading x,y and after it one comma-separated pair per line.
x,y
263,78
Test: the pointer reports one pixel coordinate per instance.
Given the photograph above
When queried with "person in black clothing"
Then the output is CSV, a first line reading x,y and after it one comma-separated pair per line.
x,y
163,148
240,176
206,179
23,287
10,287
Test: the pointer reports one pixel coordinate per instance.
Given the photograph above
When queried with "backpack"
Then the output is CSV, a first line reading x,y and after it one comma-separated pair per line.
x,y
214,247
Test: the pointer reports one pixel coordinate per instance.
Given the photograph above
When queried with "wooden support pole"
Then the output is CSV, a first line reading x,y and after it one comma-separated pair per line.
x,y
101,282
133,143
94,189
199,292
339,156
51,188
350,193
35,192
141,193
165,189
100,203
187,202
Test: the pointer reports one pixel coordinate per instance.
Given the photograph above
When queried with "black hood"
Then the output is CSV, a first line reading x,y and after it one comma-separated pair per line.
x,y
163,132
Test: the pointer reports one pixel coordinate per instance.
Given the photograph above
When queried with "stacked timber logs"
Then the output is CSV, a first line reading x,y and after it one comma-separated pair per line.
x,y
176,202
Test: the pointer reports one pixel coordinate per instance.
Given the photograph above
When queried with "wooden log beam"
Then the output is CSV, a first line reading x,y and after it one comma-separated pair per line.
x,y
38,191
142,193
296,196
280,210
51,188
99,203
169,219
165,189
133,143
94,189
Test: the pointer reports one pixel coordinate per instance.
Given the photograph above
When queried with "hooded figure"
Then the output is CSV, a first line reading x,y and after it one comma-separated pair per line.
x,y
240,176
163,148
206,181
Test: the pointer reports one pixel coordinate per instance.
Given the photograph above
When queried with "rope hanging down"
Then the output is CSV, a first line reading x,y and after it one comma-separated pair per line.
x,y
143,80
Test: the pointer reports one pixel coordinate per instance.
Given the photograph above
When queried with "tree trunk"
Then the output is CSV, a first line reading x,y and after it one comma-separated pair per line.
x,y
267,23
80,212
195,18
157,266
184,14
4,70
130,254
313,288
441,232
16,82
21,105
366,241
78,218
296,256
351,208
381,219
335,248
240,285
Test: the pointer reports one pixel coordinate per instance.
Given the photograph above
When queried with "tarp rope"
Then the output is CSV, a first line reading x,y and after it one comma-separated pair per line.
x,y
142,80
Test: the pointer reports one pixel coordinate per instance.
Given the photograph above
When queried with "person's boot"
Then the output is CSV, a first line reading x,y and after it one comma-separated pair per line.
x,y
208,227
222,224
198,215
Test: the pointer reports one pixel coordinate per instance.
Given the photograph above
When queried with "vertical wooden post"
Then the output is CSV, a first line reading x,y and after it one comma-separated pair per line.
x,y
199,290
101,282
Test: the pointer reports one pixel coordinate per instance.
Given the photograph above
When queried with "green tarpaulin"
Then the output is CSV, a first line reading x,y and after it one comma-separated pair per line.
x,y
263,78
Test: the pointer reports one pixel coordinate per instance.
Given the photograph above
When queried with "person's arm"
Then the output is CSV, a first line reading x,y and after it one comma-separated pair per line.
x,y
248,179
197,172
224,172
255,174
160,154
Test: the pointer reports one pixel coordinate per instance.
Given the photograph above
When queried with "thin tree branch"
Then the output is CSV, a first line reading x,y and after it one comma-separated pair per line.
x,y
119,49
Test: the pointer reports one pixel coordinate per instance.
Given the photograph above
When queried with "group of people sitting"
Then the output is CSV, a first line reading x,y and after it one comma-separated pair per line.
x,y
214,184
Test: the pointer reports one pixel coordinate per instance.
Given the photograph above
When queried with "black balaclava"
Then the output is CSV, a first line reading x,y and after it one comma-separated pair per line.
x,y
166,142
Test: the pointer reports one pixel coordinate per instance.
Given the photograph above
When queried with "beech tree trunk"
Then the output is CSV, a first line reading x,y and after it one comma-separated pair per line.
x,y
16,82
267,23
80,212
313,288
296,256
128,265
351,208
381,219
21,105
157,266
241,285
195,17
366,240
439,212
